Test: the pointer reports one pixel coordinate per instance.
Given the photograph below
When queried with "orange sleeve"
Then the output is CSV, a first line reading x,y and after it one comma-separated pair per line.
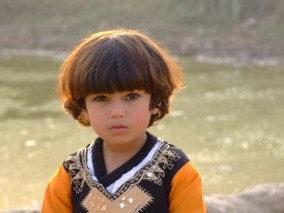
x,y
57,197
186,191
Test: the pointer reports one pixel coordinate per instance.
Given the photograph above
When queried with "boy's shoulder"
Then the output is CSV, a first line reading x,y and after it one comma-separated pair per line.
x,y
173,154
75,158
174,148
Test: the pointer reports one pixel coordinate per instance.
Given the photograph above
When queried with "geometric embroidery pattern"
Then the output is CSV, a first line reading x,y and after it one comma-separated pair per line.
x,y
132,200
155,172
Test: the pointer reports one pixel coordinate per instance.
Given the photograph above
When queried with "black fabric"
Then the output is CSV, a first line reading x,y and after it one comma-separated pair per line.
x,y
178,165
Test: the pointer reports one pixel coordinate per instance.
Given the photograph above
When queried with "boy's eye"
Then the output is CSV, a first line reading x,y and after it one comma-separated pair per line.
x,y
100,98
132,96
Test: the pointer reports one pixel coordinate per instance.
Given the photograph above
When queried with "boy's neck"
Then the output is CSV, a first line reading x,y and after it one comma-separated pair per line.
x,y
116,156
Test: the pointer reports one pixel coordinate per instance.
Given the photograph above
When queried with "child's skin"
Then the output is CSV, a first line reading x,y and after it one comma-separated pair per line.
x,y
121,120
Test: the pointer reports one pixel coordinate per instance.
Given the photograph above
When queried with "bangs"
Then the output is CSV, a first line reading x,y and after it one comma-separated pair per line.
x,y
115,69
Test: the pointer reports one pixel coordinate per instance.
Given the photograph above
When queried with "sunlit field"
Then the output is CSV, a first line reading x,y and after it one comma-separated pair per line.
x,y
228,119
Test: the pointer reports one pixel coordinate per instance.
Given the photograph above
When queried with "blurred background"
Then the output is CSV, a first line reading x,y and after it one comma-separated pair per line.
x,y
228,119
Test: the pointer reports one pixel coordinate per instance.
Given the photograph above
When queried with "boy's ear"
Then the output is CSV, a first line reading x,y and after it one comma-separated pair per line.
x,y
155,110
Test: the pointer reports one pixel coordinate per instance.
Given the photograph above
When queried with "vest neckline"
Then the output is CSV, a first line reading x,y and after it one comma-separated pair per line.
x,y
99,163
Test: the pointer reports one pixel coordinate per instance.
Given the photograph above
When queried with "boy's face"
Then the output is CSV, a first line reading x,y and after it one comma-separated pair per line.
x,y
120,118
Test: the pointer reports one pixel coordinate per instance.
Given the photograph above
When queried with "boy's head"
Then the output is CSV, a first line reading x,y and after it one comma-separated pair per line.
x,y
118,60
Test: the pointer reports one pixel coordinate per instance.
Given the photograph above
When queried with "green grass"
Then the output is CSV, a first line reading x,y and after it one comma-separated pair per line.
x,y
229,120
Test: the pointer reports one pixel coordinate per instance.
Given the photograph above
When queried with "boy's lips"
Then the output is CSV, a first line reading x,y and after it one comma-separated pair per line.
x,y
118,128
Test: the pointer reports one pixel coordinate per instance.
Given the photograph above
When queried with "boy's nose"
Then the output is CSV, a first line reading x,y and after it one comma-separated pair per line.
x,y
117,110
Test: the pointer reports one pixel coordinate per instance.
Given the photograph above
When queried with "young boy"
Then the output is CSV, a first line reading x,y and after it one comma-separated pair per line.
x,y
120,82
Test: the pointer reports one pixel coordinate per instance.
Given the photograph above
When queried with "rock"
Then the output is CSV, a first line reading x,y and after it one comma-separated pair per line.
x,y
268,198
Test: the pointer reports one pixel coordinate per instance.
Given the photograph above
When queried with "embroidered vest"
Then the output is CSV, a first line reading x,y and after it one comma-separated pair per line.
x,y
147,191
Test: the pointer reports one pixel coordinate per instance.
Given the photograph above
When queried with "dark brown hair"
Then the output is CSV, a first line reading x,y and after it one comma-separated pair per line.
x,y
118,60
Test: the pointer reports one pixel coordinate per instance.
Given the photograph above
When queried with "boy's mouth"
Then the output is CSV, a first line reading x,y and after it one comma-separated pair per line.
x,y
118,128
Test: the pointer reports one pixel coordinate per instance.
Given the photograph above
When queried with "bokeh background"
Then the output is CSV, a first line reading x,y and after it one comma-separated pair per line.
x,y
229,119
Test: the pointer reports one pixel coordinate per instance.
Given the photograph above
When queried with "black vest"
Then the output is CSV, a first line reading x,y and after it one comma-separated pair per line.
x,y
147,191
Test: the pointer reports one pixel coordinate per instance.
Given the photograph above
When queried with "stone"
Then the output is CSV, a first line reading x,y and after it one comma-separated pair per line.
x,y
267,198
